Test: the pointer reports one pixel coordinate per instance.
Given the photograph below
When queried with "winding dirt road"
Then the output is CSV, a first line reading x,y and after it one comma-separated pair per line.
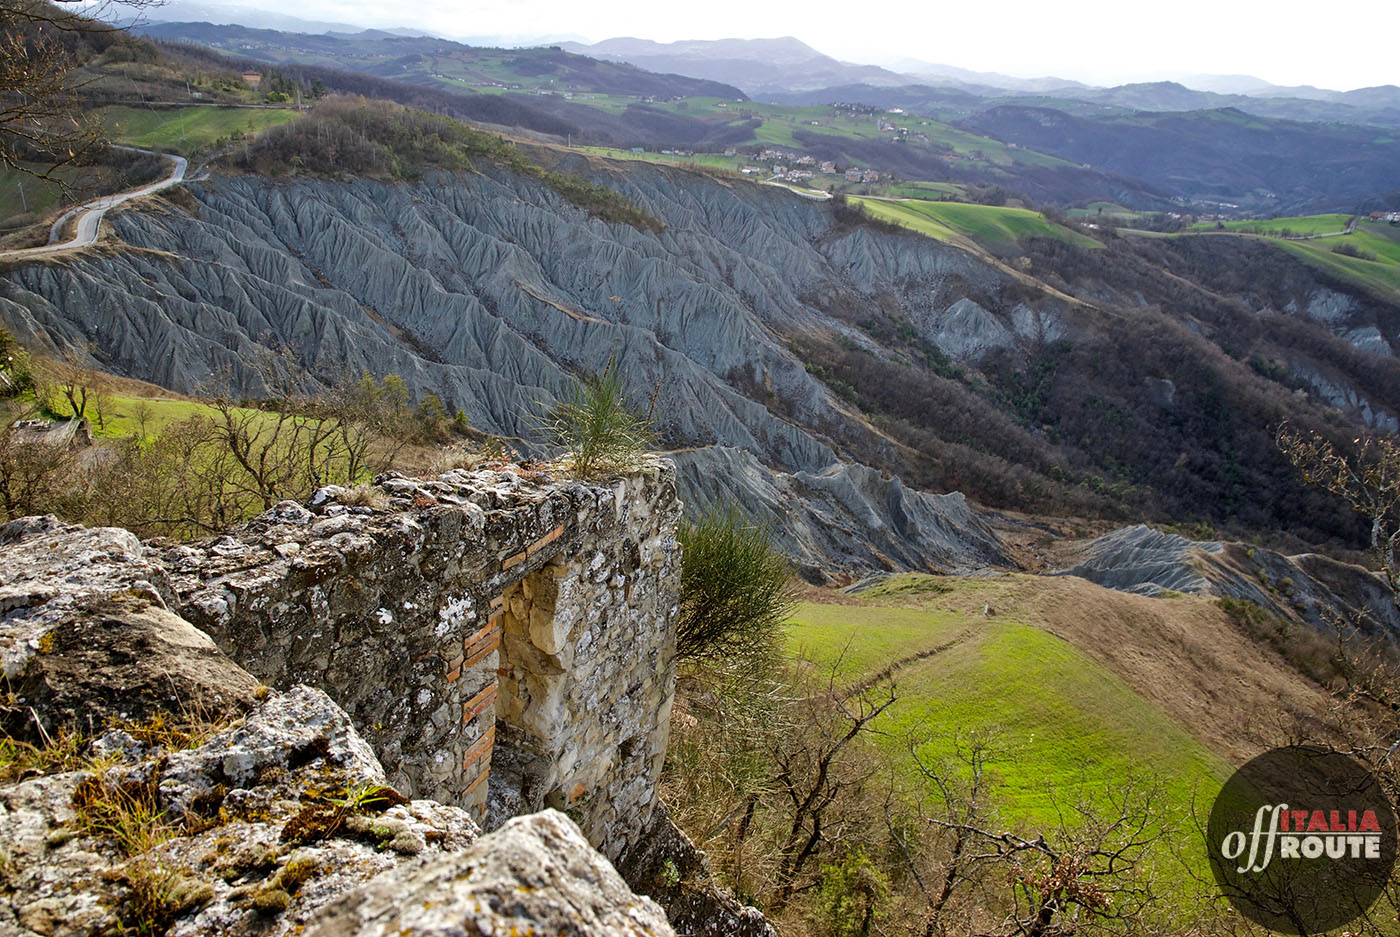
x,y
90,214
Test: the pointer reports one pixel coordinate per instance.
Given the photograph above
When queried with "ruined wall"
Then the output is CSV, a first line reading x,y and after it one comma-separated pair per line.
x,y
487,631
276,819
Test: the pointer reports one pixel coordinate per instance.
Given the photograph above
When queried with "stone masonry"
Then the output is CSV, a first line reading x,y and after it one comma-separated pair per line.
x,y
503,632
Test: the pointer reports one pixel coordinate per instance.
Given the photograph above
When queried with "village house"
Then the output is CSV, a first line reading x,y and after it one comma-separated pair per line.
x,y
853,174
827,166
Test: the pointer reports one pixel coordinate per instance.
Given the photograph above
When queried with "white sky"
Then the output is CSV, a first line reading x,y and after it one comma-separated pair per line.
x,y
1340,45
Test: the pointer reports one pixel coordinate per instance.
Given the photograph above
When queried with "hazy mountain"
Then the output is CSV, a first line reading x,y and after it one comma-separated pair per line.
x,y
756,65
932,73
1228,84
440,63
1218,155
1365,106
191,11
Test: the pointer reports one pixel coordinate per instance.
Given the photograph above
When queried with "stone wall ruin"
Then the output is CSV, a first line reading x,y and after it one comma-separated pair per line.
x,y
503,639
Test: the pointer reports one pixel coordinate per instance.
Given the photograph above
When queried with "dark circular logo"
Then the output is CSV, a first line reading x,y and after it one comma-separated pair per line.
x,y
1301,840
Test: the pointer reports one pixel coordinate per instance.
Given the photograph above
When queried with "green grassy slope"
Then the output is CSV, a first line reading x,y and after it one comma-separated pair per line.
x,y
187,129
21,192
127,416
1069,727
1302,224
985,224
1378,245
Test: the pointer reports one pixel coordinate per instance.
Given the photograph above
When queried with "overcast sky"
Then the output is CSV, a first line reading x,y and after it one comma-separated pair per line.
x,y
1331,45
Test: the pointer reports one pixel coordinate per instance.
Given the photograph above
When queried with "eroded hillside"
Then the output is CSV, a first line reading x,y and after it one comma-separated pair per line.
x,y
780,337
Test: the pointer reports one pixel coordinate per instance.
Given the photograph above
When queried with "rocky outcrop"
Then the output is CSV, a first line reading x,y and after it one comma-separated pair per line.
x,y
519,629
244,833
1310,587
79,602
192,799
535,875
1146,561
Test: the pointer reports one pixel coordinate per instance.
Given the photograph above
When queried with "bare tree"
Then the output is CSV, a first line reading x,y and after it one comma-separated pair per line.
x,y
1091,869
34,474
1368,479
958,797
41,115
815,768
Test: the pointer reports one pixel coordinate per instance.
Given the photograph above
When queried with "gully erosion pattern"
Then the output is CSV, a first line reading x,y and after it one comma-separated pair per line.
x,y
505,643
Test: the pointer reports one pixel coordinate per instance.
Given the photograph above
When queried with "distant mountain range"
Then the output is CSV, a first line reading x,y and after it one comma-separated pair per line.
x,y
192,11
788,70
436,62
755,65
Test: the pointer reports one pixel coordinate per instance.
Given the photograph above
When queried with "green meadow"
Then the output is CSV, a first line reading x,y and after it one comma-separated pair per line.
x,y
125,416
188,129
1067,727
1066,733
1298,225
1376,244
22,193
985,224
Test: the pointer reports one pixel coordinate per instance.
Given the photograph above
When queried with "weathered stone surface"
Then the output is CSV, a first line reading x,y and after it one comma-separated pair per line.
x,y
271,820
290,730
535,875
53,568
504,632
88,640
239,790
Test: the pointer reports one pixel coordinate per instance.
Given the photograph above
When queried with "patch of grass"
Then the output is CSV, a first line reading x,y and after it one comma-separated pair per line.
x,y
905,584
1381,275
158,896
66,752
1369,256
1067,731
141,417
1067,722
926,190
190,729
329,813
188,129
128,814
598,425
23,195
984,224
1277,227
